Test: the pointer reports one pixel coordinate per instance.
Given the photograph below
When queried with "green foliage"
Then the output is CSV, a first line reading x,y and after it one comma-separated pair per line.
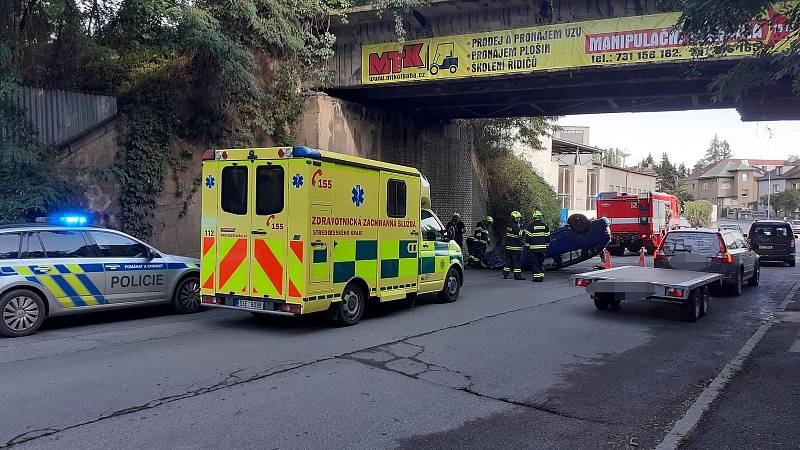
x,y
30,187
718,149
787,201
793,160
513,184
698,213
613,157
399,9
670,179
709,22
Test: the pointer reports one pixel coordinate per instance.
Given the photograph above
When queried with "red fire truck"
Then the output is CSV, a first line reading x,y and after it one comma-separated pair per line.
x,y
637,220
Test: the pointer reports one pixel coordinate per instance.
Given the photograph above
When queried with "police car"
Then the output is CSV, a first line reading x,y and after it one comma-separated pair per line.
x,y
51,269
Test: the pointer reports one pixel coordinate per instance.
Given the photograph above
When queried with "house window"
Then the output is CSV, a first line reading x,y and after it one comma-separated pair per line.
x,y
745,192
775,188
705,185
610,188
744,176
726,184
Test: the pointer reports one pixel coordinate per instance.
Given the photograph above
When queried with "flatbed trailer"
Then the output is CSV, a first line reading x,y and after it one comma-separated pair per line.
x,y
689,289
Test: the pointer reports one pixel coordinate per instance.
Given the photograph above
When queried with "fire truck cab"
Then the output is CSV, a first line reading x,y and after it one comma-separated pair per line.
x,y
637,220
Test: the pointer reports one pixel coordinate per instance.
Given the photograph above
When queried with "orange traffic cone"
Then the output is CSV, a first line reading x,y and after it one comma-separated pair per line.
x,y
642,261
607,264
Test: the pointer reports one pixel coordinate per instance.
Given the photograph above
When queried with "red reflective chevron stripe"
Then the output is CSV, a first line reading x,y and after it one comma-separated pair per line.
x,y
297,248
272,267
293,291
208,243
232,261
209,284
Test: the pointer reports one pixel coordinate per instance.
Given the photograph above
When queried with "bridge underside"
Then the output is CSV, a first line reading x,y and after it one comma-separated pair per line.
x,y
642,88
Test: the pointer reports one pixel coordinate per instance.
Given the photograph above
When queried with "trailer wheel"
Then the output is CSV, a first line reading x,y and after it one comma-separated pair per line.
x,y
694,306
704,307
601,302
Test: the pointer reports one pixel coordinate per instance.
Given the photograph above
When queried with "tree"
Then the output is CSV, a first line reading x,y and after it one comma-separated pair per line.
x,y
613,157
698,213
787,201
717,25
513,183
667,175
793,160
717,150
648,162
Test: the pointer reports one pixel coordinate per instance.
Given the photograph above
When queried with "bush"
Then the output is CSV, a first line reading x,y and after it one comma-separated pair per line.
x,y
514,186
698,213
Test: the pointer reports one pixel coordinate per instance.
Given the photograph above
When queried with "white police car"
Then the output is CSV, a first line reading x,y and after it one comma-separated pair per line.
x,y
49,270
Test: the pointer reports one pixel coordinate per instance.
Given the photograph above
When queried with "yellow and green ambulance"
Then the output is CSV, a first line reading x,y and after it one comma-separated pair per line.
x,y
295,230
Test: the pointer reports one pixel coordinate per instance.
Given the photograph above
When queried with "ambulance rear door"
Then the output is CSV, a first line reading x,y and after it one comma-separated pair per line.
x,y
271,181
233,227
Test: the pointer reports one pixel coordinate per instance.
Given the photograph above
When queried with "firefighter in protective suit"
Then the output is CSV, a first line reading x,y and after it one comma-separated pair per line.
x,y
481,240
537,240
513,243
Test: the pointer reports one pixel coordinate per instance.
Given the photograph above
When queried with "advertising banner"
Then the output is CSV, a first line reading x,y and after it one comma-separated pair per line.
x,y
595,43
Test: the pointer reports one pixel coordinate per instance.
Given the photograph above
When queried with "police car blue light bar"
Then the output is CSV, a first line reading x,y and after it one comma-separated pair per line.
x,y
73,220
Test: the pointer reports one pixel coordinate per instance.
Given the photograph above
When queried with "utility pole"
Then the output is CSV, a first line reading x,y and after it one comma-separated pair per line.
x,y
769,190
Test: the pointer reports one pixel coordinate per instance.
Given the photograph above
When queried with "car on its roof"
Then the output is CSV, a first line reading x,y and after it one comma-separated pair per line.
x,y
49,270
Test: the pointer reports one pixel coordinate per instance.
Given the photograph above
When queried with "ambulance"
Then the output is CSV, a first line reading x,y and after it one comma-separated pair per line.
x,y
295,230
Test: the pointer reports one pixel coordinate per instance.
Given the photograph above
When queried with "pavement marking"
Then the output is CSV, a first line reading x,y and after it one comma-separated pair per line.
x,y
795,348
686,424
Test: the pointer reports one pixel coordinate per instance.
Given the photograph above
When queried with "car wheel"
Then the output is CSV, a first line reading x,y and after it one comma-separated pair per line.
x,y
21,312
351,308
736,289
452,286
187,296
756,276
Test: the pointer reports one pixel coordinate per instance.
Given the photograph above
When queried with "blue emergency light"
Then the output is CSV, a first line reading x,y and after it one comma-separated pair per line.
x,y
300,151
74,220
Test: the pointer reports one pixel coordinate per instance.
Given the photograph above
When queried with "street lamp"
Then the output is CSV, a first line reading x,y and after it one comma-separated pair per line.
x,y
769,190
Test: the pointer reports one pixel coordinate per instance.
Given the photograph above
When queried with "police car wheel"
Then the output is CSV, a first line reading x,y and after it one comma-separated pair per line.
x,y
187,296
22,313
351,308
452,286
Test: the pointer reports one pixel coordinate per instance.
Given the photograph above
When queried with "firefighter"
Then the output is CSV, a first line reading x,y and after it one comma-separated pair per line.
x,y
537,241
456,228
513,243
481,239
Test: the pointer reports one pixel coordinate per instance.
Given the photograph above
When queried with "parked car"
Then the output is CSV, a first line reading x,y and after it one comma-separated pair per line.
x,y
731,226
796,227
773,240
725,252
49,270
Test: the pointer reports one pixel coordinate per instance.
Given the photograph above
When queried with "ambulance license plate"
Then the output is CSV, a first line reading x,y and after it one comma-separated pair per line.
x,y
251,304
765,247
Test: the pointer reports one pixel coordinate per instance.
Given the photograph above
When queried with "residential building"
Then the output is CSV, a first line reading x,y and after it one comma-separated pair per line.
x,y
574,134
581,176
777,181
731,183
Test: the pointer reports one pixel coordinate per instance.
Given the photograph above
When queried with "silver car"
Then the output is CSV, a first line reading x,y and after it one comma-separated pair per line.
x,y
50,270
725,252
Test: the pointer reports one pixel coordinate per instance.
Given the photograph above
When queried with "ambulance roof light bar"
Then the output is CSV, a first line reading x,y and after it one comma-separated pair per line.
x,y
300,151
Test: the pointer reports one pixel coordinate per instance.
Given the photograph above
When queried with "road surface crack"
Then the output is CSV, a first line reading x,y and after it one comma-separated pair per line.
x,y
233,379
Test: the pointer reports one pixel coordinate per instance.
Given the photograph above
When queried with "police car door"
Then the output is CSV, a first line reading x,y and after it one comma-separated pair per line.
x,y
131,274
64,263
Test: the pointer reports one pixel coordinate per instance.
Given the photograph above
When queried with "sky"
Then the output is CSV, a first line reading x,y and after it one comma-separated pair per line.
x,y
685,135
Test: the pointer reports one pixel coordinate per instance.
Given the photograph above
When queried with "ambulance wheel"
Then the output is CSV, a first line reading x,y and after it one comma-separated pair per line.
x,y
21,313
351,308
187,296
452,286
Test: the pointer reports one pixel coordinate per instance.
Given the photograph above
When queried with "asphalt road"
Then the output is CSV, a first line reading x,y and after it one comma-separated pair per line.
x,y
510,364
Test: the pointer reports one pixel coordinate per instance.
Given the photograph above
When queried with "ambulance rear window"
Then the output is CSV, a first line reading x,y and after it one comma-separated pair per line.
x,y
269,190
234,190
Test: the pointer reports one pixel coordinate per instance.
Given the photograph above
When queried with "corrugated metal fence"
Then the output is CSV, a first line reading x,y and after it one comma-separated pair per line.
x,y
60,116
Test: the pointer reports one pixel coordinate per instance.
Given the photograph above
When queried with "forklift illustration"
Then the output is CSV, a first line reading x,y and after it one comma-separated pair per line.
x,y
444,58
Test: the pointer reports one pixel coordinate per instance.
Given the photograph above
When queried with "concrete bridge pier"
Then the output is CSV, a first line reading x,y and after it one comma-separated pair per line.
x,y
442,151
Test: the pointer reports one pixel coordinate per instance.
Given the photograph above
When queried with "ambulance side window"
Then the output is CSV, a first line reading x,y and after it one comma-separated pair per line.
x,y
430,227
234,190
396,198
269,190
